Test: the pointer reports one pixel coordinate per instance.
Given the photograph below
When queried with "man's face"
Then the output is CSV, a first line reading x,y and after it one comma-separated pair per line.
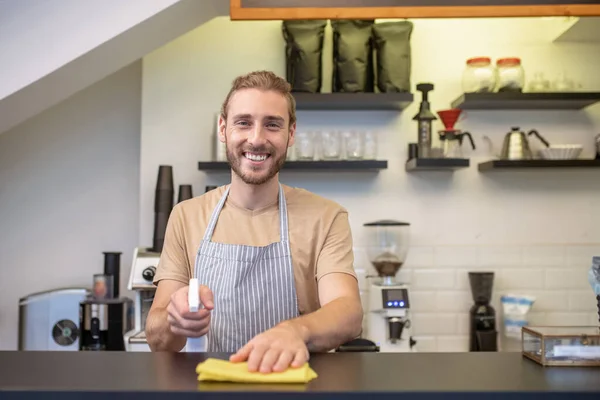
x,y
257,134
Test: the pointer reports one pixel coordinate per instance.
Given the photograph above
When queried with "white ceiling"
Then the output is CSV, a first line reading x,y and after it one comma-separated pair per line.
x,y
51,49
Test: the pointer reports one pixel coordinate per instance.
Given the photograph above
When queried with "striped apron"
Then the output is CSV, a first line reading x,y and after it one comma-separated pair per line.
x,y
253,287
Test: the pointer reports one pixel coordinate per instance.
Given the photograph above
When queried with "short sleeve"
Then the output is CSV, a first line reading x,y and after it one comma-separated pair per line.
x,y
173,263
337,253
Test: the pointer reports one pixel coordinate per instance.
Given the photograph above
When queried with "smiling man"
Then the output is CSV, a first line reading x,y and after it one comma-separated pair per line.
x,y
275,263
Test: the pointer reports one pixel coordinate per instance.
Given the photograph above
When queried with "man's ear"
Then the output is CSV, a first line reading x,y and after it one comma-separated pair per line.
x,y
292,135
222,127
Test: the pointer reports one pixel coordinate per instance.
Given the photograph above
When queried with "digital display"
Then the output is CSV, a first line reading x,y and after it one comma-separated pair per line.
x,y
395,298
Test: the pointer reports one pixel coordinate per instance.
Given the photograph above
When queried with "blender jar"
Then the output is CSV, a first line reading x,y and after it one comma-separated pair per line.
x,y
511,76
387,247
479,76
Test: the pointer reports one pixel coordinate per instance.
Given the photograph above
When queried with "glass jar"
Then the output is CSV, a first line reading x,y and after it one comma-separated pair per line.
x,y
511,76
479,75
539,83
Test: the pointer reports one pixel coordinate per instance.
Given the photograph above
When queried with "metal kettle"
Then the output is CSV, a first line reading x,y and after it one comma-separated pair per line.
x,y
516,145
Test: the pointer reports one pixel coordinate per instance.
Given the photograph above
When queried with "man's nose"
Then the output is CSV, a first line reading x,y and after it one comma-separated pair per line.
x,y
257,135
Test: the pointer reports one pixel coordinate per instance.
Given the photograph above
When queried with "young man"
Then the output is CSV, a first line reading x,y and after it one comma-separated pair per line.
x,y
275,263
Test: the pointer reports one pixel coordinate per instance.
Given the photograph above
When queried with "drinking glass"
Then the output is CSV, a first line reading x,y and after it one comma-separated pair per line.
x,y
331,145
304,146
355,145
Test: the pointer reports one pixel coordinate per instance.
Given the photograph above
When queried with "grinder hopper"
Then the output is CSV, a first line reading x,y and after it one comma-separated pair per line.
x,y
387,247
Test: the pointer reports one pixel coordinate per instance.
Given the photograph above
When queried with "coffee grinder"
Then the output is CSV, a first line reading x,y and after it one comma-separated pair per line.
x,y
389,302
482,316
424,118
450,137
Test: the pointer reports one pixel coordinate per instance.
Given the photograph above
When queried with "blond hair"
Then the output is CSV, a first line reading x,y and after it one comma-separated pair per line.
x,y
263,80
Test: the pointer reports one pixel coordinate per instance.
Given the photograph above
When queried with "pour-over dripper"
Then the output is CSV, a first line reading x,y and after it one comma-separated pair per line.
x,y
481,286
387,247
449,117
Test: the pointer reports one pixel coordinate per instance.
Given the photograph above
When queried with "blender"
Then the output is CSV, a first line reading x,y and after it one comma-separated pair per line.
x,y
450,137
389,325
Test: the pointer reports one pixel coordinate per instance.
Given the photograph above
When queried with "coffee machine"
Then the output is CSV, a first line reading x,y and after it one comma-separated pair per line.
x,y
389,325
483,335
143,269
104,316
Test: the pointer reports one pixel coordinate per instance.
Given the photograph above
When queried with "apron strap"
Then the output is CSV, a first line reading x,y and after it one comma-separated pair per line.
x,y
215,216
283,216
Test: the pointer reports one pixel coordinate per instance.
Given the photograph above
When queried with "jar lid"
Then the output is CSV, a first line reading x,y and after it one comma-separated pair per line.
x,y
479,60
508,61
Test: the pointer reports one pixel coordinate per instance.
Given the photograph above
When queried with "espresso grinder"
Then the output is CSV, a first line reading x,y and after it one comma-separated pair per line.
x,y
389,303
482,315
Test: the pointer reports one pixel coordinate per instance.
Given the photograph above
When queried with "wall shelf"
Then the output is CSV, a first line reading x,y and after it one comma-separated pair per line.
x,y
535,164
436,164
325,166
353,101
526,101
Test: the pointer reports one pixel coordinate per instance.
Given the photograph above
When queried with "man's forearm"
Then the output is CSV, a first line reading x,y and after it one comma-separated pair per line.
x,y
332,325
159,335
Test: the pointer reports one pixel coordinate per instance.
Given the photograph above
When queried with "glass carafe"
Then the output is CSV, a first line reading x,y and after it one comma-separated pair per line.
x,y
452,143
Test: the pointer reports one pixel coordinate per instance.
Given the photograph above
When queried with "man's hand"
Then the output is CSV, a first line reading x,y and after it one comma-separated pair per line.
x,y
182,322
275,349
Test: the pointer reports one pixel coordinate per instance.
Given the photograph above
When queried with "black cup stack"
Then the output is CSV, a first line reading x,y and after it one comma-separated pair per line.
x,y
163,204
185,193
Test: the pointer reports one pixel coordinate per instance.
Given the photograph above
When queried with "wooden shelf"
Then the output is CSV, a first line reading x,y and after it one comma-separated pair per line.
x,y
436,164
325,166
526,101
353,101
534,164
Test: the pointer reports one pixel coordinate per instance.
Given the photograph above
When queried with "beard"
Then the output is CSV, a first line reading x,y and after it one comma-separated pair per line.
x,y
255,175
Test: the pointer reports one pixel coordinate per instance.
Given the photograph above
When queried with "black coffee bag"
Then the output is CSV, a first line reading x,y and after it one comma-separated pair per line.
x,y
393,55
352,56
303,54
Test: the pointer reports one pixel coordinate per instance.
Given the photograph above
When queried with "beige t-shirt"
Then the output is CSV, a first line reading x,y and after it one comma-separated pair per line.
x,y
319,231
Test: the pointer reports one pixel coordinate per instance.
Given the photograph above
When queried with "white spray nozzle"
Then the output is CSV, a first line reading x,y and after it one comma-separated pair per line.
x,y
193,295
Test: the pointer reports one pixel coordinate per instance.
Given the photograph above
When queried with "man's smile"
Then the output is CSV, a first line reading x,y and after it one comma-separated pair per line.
x,y
256,157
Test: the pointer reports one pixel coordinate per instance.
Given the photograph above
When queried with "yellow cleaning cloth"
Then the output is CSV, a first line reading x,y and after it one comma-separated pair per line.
x,y
225,371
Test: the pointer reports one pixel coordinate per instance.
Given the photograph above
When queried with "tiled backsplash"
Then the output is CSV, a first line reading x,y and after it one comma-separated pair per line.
x,y
441,296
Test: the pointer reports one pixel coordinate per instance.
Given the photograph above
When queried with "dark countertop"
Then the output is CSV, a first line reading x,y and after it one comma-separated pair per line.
x,y
117,375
